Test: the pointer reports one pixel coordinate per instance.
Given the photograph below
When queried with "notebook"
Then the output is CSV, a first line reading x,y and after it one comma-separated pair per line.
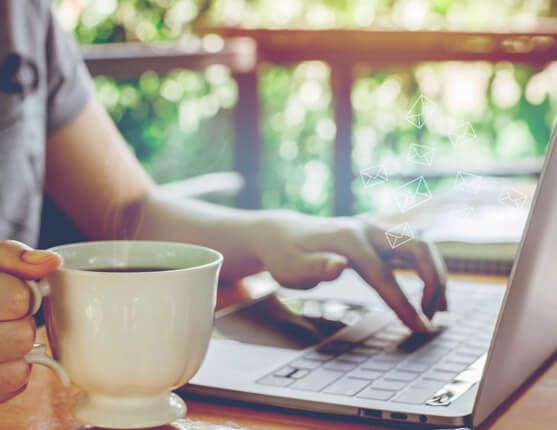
x,y
482,239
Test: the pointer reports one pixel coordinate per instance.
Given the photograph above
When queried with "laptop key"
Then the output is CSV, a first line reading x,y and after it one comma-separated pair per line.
x,y
302,363
317,380
484,336
299,374
479,344
373,394
446,343
470,352
450,334
462,360
343,366
353,357
319,356
414,396
400,375
384,384
423,383
437,375
430,355
414,366
284,371
463,329
391,356
365,374
347,386
276,381
447,366
377,365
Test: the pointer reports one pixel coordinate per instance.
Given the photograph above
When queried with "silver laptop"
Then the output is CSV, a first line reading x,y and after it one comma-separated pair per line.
x,y
365,363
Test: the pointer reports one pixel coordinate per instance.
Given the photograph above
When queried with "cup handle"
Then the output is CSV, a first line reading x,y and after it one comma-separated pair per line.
x,y
39,289
38,355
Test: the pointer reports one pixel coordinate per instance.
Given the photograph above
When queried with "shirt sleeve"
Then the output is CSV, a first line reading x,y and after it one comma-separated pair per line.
x,y
69,83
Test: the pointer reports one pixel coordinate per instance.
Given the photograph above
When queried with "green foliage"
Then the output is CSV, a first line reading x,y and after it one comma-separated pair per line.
x,y
179,125
405,14
509,107
298,133
103,21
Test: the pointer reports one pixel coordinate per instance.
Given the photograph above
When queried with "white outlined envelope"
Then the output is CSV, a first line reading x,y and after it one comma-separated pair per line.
x,y
372,176
412,194
513,198
468,182
463,134
399,235
419,109
421,154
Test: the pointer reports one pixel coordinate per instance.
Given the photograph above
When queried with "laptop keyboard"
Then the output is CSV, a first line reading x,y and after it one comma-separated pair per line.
x,y
394,365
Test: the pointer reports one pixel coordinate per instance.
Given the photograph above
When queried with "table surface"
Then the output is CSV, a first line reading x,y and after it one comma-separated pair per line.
x,y
46,404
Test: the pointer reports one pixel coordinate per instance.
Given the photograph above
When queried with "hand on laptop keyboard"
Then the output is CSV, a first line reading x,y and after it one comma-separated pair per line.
x,y
301,250
393,364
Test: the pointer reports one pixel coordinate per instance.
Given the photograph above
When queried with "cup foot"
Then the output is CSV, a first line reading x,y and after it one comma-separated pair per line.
x,y
129,413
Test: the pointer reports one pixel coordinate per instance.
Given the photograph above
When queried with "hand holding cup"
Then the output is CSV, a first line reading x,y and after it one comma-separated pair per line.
x,y
18,263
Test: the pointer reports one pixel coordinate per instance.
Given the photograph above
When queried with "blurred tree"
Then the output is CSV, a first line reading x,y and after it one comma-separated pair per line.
x,y
179,124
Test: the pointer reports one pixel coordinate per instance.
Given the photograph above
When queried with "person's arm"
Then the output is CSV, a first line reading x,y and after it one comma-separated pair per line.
x,y
92,174
95,178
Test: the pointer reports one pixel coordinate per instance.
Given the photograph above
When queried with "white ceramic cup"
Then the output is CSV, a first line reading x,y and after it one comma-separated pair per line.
x,y
128,338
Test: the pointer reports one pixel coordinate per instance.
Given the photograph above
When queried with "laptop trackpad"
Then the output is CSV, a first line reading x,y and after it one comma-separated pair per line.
x,y
291,323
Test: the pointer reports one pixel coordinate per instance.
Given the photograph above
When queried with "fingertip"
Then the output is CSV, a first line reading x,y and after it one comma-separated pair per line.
x,y
421,324
439,304
429,309
41,257
55,261
37,267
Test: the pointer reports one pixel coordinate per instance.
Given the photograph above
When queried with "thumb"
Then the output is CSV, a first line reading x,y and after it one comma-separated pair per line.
x,y
24,262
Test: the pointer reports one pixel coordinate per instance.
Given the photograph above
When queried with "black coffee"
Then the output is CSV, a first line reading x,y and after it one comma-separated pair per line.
x,y
130,269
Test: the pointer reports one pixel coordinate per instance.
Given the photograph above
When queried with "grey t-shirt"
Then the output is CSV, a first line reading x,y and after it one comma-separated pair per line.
x,y
44,84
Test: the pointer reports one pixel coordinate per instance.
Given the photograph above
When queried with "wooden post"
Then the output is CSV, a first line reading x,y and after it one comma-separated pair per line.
x,y
341,81
247,139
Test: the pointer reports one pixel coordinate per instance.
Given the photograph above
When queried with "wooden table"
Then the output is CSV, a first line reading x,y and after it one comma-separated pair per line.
x,y
46,405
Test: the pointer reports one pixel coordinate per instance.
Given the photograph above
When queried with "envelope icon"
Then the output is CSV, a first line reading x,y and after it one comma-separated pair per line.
x,y
468,182
463,134
412,194
419,110
399,235
372,176
513,198
421,154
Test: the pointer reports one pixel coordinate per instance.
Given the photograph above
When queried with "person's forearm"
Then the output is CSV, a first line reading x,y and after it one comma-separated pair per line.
x,y
95,178
225,229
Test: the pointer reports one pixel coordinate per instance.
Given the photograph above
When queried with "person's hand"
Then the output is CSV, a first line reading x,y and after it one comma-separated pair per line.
x,y
17,327
301,250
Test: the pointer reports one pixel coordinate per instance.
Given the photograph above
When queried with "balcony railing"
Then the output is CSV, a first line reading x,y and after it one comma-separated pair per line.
x,y
343,50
